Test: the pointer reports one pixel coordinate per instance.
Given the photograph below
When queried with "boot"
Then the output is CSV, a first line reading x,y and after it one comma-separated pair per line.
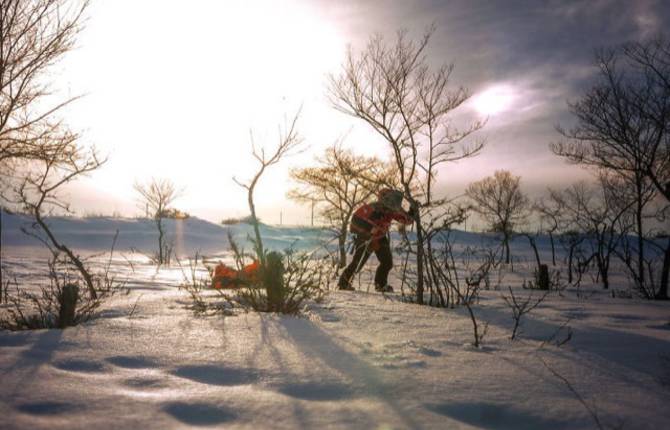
x,y
384,289
345,286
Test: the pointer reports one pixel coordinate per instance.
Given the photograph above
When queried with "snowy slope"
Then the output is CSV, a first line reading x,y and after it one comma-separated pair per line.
x,y
188,236
197,235
357,360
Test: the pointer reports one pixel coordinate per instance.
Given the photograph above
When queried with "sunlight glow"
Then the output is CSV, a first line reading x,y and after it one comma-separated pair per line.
x,y
180,104
494,100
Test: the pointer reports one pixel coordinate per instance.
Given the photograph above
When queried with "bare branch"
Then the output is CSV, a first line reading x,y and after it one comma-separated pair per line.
x,y
289,143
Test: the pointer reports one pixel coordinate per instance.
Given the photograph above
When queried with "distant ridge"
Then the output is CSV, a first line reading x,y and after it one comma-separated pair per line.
x,y
197,235
189,235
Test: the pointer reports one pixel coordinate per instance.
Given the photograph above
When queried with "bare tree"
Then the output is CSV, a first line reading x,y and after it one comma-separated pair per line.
x,y
34,35
158,195
551,221
597,213
340,183
521,307
289,140
622,127
544,216
572,241
464,280
392,88
37,193
500,201
38,153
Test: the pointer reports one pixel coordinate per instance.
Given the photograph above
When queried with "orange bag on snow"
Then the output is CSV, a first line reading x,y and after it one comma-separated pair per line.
x,y
227,277
251,270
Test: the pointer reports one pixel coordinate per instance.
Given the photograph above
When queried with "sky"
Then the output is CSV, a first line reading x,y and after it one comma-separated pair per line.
x,y
176,90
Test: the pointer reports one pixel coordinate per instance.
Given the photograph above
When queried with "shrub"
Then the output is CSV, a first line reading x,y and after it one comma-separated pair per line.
x,y
196,285
239,220
47,307
553,281
286,283
521,307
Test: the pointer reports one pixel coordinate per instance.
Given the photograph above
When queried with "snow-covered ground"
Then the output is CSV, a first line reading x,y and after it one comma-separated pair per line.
x,y
357,360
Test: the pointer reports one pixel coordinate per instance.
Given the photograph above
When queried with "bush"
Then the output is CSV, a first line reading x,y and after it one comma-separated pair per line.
x,y
196,285
173,214
98,215
243,220
286,283
553,281
48,306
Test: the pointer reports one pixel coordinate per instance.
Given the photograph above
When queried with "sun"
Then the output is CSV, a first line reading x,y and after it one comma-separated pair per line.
x,y
494,100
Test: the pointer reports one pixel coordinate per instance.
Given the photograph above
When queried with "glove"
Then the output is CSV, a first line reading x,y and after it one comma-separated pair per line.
x,y
376,231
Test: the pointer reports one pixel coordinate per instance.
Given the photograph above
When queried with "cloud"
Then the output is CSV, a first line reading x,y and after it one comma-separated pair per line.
x,y
522,60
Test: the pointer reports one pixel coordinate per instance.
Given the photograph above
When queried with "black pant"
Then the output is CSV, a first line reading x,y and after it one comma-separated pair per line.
x,y
362,250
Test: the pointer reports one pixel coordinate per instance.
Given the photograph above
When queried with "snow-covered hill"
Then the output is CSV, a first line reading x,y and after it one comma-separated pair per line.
x,y
188,236
197,235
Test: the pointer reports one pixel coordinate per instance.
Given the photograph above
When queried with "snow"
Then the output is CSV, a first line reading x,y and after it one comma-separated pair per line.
x,y
357,360
188,236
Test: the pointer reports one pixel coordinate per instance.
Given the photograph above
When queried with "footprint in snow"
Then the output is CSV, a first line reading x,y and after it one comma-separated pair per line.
x,y
77,365
492,416
199,414
575,315
429,352
216,375
131,362
145,383
113,313
403,364
330,318
626,318
316,391
47,408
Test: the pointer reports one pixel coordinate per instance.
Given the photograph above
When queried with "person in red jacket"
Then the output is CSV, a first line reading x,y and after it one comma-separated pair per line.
x,y
370,224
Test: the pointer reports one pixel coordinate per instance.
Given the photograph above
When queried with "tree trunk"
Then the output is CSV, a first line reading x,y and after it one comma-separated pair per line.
x,y
419,258
272,275
534,246
342,245
553,249
73,258
68,305
257,232
543,277
571,253
640,238
663,290
602,270
161,235
506,245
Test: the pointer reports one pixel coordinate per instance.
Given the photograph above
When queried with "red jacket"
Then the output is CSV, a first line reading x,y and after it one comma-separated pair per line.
x,y
375,220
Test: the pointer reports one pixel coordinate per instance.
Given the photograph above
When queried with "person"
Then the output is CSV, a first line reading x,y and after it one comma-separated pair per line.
x,y
370,224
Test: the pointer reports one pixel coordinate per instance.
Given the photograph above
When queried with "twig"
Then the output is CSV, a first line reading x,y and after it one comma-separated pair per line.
x,y
132,311
591,409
